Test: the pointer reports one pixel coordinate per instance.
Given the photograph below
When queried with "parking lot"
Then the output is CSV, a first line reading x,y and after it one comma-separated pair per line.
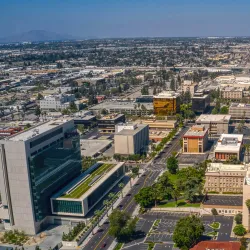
x,y
223,200
163,233
191,159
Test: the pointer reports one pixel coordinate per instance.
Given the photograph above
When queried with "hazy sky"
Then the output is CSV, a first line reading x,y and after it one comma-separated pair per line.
x,y
127,18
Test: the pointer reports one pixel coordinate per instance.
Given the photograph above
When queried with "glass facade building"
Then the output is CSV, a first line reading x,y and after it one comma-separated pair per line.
x,y
51,168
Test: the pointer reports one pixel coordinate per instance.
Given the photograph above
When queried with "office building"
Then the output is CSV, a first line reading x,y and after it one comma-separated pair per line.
x,y
84,192
124,107
239,111
225,178
217,124
131,139
166,103
200,102
159,124
144,99
35,164
56,102
107,123
195,140
189,86
232,93
228,147
246,196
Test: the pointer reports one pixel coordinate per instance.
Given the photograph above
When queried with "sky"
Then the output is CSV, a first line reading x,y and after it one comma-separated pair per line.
x,y
127,18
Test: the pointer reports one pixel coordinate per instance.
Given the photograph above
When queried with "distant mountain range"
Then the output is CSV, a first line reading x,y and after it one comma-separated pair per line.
x,y
36,36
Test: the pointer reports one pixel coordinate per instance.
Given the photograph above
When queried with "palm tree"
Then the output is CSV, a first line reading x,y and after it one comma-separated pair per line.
x,y
106,204
98,214
175,194
111,197
121,186
247,149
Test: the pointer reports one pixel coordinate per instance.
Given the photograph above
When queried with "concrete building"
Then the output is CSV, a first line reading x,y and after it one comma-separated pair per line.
x,y
228,146
239,111
217,245
195,140
56,102
200,102
35,164
246,196
108,122
166,103
159,124
217,124
124,107
189,86
232,93
131,139
225,178
84,192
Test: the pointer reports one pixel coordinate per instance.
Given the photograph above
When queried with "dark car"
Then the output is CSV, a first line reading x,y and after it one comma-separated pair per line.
x,y
104,245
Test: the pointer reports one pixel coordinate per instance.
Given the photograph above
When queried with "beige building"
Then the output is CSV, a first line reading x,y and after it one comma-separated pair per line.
x,y
217,124
232,93
246,196
131,139
223,178
239,111
159,124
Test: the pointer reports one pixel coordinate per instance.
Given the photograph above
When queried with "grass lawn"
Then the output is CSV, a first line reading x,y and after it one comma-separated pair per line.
x,y
212,234
172,178
181,203
215,225
85,186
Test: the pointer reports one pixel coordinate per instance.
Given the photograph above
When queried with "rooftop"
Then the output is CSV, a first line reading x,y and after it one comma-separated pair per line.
x,y
239,105
229,142
39,129
216,167
111,116
213,118
167,94
77,190
196,130
217,245
128,131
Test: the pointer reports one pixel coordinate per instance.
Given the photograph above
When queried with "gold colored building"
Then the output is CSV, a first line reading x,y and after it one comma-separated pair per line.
x,y
195,140
166,103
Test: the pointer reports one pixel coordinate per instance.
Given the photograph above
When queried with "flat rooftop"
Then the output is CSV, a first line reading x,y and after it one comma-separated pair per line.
x,y
78,188
125,131
167,94
216,167
229,142
110,117
213,118
39,129
93,146
240,105
121,106
196,130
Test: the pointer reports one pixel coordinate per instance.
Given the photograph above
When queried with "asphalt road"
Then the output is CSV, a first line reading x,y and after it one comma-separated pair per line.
x,y
101,240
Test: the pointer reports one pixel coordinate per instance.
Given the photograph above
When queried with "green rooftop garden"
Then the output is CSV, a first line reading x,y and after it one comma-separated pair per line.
x,y
82,188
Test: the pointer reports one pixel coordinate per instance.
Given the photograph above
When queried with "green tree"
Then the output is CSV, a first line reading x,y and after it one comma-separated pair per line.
x,y
111,197
239,230
172,84
39,96
98,214
214,211
248,203
136,171
106,204
172,164
238,218
224,110
243,242
187,232
38,111
72,106
122,226
121,186
145,197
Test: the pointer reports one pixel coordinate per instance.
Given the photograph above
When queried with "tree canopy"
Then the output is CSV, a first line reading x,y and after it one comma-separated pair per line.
x,y
187,232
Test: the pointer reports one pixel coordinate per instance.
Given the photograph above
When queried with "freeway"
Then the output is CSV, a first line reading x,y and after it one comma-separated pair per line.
x,y
101,239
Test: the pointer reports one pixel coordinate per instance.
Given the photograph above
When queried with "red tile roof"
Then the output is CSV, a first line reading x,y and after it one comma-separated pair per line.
x,y
216,245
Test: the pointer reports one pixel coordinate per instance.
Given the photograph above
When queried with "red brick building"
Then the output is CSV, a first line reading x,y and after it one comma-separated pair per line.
x,y
218,245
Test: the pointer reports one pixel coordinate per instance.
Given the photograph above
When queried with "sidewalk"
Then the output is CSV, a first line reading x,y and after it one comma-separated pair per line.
x,y
125,190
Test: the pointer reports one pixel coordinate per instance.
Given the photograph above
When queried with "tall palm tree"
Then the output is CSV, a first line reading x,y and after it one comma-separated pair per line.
x,y
98,214
121,186
111,197
106,204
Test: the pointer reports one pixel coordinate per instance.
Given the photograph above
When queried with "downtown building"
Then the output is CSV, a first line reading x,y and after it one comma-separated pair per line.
x,y
34,164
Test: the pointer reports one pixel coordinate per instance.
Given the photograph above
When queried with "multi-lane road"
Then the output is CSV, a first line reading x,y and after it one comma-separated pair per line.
x,y
102,240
